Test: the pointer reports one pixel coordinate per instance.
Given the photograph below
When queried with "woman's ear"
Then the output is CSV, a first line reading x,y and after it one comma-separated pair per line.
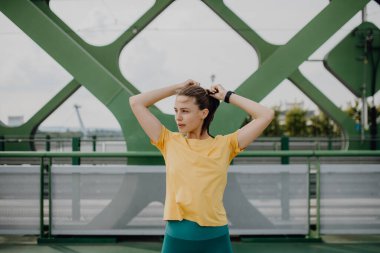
x,y
205,113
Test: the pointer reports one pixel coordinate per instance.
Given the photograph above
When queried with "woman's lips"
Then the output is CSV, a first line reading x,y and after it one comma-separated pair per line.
x,y
181,125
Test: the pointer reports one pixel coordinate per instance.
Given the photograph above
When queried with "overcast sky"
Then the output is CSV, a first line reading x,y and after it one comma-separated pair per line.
x,y
186,41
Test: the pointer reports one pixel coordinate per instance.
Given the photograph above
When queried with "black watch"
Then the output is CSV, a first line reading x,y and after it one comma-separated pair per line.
x,y
227,97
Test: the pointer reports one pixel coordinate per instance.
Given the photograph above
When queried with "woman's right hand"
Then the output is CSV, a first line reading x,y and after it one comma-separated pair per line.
x,y
187,83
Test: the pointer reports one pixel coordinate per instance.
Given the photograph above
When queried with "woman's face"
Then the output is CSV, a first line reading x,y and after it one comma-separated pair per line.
x,y
188,116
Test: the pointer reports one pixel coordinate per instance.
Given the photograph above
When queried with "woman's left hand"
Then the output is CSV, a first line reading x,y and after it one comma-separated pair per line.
x,y
217,91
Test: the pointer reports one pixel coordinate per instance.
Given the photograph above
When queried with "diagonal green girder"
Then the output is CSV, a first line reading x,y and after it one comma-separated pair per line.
x,y
328,107
278,65
108,55
74,55
58,44
29,129
262,47
98,70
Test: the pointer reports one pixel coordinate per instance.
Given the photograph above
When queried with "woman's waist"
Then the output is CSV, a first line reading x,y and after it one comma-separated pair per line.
x,y
190,230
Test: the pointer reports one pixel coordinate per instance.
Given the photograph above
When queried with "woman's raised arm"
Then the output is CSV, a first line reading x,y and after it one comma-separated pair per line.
x,y
140,103
261,115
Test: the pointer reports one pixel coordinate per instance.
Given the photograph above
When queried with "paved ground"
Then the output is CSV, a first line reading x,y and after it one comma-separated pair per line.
x,y
350,244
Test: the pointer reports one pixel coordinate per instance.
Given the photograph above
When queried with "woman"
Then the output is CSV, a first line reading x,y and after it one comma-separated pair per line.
x,y
196,162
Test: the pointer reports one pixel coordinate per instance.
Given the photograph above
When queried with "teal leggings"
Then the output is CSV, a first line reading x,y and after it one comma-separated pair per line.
x,y
188,237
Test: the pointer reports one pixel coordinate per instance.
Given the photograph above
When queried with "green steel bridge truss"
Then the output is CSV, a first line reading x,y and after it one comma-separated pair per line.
x,y
97,68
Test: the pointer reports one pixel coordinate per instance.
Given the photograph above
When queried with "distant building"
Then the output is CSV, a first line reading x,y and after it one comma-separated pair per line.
x,y
14,121
290,105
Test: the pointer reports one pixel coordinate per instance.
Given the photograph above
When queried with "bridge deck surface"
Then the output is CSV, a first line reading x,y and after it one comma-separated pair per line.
x,y
339,244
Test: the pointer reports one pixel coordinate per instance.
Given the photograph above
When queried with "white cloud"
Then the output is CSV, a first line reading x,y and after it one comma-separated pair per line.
x,y
100,22
276,21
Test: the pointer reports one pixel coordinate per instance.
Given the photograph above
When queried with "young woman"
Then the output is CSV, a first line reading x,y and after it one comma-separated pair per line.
x,y
196,162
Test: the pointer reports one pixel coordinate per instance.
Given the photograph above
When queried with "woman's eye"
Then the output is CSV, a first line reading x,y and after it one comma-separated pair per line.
x,y
182,111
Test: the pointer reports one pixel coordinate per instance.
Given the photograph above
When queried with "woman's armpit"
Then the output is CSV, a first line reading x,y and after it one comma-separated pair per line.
x,y
162,139
234,144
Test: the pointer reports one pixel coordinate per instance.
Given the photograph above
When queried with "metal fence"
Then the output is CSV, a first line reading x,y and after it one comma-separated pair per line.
x,y
270,199
117,144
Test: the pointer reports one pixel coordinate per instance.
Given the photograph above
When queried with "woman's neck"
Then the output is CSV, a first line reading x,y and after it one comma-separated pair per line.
x,y
198,134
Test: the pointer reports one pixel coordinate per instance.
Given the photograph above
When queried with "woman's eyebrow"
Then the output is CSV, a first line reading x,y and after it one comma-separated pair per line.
x,y
182,108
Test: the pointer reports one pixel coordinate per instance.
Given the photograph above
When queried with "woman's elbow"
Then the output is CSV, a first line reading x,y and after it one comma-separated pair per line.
x,y
270,115
132,100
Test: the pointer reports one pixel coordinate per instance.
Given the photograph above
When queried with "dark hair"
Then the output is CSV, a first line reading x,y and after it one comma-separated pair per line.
x,y
203,100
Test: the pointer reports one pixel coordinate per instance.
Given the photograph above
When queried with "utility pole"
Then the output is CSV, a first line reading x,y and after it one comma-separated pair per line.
x,y
83,129
364,114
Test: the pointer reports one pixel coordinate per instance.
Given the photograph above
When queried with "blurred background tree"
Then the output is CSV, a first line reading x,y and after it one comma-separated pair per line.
x,y
295,122
275,128
322,125
299,122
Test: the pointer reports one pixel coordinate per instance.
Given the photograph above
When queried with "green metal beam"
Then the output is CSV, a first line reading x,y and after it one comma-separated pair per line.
x,y
258,153
353,60
262,47
82,61
29,129
279,66
97,68
67,52
329,108
257,90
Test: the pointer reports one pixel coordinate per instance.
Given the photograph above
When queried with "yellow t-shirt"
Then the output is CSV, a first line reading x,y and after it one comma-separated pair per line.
x,y
196,176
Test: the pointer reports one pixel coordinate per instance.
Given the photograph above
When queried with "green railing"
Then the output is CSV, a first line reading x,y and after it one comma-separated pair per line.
x,y
46,160
130,154
95,143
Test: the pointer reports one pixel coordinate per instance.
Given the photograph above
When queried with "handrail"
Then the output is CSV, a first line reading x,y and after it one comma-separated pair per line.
x,y
279,153
46,164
